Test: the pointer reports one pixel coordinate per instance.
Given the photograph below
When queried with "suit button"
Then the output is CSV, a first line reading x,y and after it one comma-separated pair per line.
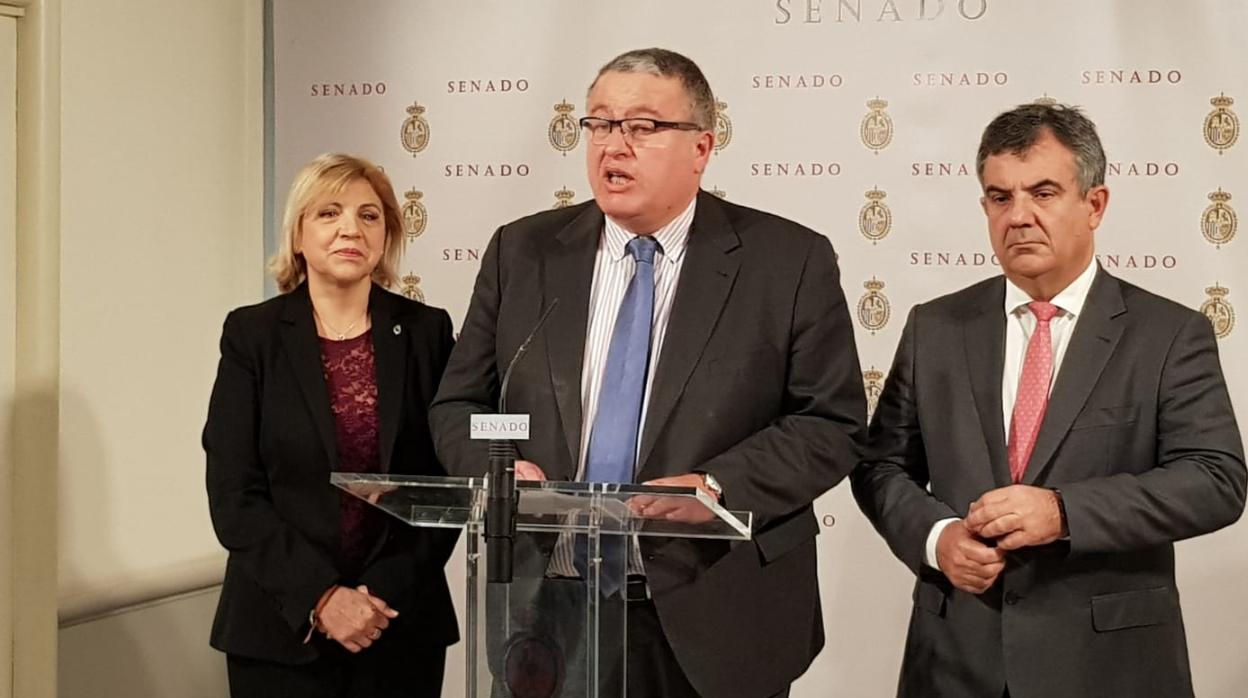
x,y
1012,598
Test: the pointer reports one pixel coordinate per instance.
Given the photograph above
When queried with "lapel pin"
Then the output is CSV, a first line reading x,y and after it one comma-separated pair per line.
x,y
398,330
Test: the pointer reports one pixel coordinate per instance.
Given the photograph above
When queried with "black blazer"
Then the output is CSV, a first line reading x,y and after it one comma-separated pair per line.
x,y
271,445
1140,438
758,383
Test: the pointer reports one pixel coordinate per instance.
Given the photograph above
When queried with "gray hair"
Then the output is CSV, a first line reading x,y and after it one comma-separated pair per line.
x,y
669,64
1018,129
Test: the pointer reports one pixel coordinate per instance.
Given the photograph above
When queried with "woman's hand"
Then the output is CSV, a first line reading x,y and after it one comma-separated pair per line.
x,y
354,618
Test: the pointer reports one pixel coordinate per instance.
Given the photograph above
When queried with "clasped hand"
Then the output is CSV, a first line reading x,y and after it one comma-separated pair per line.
x,y
971,552
354,618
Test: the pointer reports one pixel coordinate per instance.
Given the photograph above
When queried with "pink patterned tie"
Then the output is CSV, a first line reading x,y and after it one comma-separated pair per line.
x,y
1033,390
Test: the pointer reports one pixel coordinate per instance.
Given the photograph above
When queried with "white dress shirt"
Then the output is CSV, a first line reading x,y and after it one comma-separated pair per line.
x,y
1019,324
613,270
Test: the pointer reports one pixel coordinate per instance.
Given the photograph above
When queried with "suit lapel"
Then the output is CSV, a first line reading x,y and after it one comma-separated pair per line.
x,y
1096,335
984,339
568,275
389,352
706,277
304,352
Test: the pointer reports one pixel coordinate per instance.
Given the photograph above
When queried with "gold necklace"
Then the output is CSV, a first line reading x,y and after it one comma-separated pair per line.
x,y
341,335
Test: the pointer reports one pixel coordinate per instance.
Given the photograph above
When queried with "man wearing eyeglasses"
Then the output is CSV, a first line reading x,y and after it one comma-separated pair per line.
x,y
696,343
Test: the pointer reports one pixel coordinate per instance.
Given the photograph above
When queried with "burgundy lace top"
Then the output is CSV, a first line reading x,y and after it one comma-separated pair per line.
x,y
351,379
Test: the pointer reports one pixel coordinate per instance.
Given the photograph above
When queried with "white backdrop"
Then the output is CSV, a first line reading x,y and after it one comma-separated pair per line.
x,y
825,101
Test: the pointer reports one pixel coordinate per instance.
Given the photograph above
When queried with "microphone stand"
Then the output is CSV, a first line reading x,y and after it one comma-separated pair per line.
x,y
503,500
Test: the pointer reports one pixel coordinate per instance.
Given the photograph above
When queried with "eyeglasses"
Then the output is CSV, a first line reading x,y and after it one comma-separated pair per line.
x,y
634,131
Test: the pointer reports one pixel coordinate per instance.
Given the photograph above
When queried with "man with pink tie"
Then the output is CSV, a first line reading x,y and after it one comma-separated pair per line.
x,y
1044,438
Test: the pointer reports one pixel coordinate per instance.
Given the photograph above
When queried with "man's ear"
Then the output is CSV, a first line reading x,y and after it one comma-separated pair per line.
x,y
1098,200
703,147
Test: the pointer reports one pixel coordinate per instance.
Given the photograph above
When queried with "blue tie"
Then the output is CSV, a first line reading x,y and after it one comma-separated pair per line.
x,y
613,440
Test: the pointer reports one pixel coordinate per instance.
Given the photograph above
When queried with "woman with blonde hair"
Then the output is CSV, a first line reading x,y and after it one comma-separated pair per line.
x,y
323,595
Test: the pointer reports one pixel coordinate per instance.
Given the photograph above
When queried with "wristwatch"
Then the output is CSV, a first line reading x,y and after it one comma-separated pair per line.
x,y
709,481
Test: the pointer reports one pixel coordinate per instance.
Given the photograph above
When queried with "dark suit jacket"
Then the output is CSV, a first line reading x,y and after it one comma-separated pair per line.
x,y
1139,437
271,445
758,383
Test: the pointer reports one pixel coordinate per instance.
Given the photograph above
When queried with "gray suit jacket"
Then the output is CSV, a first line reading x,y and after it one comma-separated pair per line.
x,y
758,383
1140,438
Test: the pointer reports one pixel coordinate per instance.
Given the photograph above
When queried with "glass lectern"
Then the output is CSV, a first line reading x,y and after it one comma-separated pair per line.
x,y
558,627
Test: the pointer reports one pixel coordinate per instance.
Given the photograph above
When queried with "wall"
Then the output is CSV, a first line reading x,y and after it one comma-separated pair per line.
x,y
155,651
160,219
159,206
8,321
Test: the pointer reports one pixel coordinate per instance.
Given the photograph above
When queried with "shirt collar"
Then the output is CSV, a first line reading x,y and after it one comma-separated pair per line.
x,y
1070,300
672,238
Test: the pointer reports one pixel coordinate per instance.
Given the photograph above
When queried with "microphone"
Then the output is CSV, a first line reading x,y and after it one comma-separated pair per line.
x,y
501,504
500,512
